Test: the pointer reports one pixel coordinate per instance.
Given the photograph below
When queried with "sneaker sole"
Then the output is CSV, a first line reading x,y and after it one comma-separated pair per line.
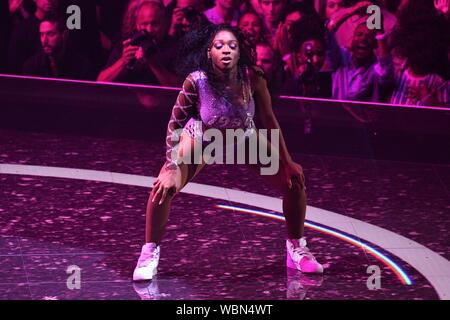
x,y
291,264
144,277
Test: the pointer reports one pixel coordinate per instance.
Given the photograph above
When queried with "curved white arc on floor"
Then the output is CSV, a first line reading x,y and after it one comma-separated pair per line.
x,y
434,267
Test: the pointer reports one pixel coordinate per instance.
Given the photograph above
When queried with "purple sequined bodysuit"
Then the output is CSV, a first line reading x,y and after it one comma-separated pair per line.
x,y
198,108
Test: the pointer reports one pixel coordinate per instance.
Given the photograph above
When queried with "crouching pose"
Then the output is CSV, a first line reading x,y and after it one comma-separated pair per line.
x,y
223,91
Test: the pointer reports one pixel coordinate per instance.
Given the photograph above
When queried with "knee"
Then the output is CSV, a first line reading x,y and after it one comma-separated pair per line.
x,y
153,195
298,188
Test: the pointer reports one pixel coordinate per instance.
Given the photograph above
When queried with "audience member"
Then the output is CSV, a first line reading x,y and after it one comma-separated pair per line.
x,y
147,55
314,48
344,21
25,40
283,42
306,78
252,27
359,74
271,14
418,37
55,60
268,60
224,11
186,15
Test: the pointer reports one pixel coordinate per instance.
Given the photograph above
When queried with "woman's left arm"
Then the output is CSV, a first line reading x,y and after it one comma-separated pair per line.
x,y
268,120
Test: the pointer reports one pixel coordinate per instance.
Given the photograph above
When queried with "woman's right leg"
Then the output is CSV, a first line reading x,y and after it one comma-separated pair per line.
x,y
157,214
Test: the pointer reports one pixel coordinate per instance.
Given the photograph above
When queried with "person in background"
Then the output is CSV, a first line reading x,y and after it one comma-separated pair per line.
x,y
54,60
186,15
358,73
269,61
271,14
224,11
344,21
25,39
310,50
326,8
284,39
420,38
151,60
252,26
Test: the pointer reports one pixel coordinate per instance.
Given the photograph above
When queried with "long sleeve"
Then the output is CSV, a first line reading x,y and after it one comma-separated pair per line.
x,y
185,108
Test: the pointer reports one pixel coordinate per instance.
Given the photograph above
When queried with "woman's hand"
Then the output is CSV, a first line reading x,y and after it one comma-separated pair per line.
x,y
293,170
166,184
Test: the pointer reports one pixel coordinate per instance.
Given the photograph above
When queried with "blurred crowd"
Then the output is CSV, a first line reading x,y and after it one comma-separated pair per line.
x,y
312,48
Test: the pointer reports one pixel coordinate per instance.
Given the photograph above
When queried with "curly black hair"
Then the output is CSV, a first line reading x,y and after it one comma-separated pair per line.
x,y
420,37
193,53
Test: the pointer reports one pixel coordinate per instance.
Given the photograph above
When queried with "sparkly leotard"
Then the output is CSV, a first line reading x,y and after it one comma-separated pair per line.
x,y
198,108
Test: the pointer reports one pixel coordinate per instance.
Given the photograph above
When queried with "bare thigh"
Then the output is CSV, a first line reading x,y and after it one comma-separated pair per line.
x,y
277,180
187,170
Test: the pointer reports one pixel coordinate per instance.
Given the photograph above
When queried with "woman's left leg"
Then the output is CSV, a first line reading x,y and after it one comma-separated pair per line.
x,y
294,209
294,199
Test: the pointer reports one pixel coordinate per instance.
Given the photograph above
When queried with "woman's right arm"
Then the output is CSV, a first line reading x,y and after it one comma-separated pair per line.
x,y
185,108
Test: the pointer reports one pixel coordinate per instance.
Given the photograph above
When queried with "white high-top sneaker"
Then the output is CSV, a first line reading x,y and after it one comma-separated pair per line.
x,y
147,264
300,258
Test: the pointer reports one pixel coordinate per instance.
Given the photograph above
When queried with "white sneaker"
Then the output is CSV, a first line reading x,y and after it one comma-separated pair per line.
x,y
147,264
300,258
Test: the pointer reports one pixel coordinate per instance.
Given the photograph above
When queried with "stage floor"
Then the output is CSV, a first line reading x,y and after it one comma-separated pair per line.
x,y
221,243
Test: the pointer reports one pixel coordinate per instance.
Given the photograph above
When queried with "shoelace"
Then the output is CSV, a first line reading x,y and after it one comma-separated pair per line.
x,y
303,252
147,258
